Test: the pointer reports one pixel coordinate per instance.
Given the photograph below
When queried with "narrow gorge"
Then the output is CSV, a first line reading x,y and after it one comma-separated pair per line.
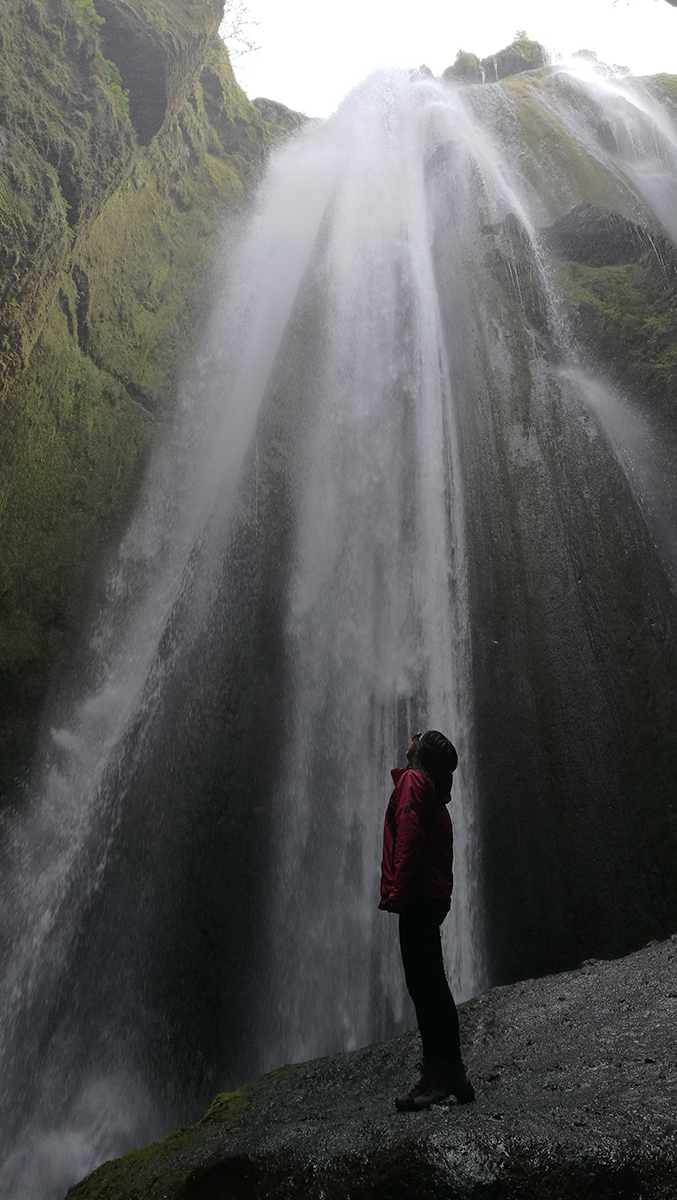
x,y
316,432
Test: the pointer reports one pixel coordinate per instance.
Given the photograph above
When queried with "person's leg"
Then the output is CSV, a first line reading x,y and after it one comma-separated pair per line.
x,y
443,1069
427,984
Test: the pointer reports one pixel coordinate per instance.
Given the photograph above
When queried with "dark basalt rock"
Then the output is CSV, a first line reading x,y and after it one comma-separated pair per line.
x,y
596,237
576,1079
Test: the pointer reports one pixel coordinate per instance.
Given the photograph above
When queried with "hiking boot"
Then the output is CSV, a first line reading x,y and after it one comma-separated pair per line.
x,y
457,1082
430,1089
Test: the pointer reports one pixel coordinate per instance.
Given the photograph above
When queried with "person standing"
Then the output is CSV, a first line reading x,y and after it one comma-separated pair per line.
x,y
416,883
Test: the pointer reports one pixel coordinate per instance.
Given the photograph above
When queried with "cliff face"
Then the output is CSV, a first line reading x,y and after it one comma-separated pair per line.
x,y
124,139
67,141
606,748
159,50
614,267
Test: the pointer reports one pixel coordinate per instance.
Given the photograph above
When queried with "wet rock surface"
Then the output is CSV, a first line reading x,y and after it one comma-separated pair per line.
x,y
576,1081
596,237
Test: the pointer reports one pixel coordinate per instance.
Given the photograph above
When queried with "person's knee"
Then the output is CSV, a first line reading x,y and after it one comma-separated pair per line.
x,y
426,989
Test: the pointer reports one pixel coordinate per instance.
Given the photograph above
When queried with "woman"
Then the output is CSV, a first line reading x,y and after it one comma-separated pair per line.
x,y
416,882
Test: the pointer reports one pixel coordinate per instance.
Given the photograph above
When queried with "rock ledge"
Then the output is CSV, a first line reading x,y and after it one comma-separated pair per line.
x,y
576,1080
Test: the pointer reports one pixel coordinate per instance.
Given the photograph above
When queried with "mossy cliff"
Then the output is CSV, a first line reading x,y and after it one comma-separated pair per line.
x,y
124,139
576,648
626,315
613,268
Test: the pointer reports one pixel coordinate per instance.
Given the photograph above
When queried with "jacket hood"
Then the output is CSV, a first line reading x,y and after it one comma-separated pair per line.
x,y
397,773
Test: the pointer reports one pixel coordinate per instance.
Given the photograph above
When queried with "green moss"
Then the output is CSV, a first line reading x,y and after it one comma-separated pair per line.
x,y
66,145
159,48
228,1106
33,242
527,47
562,172
664,88
149,256
523,54
55,93
70,443
156,17
170,1160
239,125
87,10
627,317
115,84
466,69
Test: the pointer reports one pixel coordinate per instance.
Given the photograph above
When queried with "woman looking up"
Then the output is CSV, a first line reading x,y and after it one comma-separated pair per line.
x,y
416,883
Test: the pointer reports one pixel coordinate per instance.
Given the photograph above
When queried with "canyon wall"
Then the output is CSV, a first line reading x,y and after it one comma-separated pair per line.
x,y
125,142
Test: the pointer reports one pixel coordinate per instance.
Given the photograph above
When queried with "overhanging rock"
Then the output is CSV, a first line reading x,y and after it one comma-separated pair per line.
x,y
159,52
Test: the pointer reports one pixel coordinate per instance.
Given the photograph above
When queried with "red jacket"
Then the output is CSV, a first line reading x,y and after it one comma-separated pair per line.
x,y
417,843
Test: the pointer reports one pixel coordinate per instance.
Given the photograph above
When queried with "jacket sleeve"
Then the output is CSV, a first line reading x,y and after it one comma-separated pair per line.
x,y
409,839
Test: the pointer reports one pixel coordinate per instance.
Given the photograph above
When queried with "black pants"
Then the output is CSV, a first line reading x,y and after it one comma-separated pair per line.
x,y
427,985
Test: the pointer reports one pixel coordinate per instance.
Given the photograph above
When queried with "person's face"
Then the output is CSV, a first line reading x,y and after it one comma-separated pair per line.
x,y
412,752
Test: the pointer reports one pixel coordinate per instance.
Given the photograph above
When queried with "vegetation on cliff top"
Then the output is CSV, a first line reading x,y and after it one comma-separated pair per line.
x,y
523,54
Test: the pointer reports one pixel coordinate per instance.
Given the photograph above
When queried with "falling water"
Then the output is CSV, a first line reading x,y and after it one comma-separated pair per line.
x,y
191,885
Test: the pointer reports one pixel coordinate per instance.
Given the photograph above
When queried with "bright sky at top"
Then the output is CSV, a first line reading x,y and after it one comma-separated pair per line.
x,y
313,51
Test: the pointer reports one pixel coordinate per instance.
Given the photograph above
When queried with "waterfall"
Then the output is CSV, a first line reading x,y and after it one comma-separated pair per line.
x,y
377,446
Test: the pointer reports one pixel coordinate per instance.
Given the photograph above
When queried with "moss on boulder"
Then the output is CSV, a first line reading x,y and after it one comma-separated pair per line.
x,y
465,69
522,54
279,118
